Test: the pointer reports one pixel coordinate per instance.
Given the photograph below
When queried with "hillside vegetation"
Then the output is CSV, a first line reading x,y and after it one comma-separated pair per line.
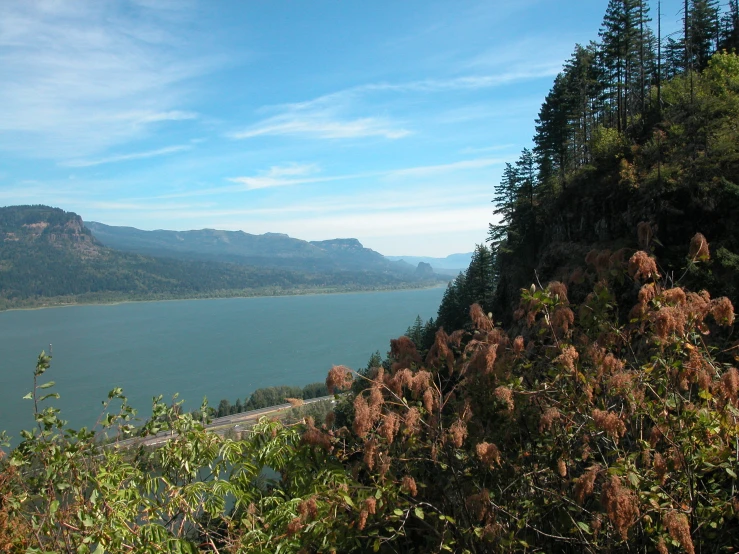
x,y
48,256
267,250
596,411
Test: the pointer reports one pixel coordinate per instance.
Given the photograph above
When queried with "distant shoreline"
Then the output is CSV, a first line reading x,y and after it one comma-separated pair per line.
x,y
226,295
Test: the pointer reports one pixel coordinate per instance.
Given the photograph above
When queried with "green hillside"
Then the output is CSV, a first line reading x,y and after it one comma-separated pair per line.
x,y
577,393
48,256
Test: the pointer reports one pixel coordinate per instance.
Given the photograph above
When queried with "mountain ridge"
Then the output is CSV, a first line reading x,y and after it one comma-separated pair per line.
x,y
49,257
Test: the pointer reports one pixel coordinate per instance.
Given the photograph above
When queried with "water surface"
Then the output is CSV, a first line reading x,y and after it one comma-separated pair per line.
x,y
221,348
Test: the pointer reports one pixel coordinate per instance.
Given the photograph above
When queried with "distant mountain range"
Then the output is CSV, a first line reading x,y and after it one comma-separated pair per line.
x,y
458,262
268,250
49,256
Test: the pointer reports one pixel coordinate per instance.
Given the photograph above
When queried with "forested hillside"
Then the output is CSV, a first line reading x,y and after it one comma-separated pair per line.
x,y
274,250
587,401
631,133
48,256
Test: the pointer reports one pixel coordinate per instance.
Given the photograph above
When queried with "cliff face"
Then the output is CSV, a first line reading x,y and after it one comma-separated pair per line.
x,y
35,226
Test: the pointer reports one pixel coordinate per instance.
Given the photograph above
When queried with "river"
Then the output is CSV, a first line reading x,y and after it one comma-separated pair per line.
x,y
220,348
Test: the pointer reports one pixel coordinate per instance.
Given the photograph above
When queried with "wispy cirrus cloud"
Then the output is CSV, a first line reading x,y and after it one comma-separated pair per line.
x,y
323,126
82,76
335,115
297,174
281,176
127,157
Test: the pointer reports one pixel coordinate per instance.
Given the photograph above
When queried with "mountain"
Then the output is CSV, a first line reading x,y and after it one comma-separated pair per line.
x,y
456,262
267,250
48,256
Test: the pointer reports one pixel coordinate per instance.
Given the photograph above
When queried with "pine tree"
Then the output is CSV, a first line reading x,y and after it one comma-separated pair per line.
x,y
703,29
506,194
729,33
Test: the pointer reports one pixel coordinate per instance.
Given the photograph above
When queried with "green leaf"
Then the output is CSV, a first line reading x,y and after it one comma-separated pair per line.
x,y
585,527
419,512
47,385
398,512
29,396
731,472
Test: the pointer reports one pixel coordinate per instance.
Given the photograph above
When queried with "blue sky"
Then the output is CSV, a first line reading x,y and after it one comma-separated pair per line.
x,y
388,121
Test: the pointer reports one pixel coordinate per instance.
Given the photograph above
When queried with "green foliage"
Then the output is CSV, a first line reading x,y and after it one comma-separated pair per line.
x,y
270,396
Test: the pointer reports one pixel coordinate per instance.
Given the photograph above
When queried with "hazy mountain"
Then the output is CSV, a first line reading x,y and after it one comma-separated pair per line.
x,y
457,262
267,250
49,256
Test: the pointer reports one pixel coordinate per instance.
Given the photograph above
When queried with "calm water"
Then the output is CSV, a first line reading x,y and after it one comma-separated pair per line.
x,y
224,348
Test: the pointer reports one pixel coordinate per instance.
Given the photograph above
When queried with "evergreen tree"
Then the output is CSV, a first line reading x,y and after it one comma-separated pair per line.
x,y
703,31
415,332
729,34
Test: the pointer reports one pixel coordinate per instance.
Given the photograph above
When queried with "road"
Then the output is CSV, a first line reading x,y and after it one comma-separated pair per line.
x,y
216,424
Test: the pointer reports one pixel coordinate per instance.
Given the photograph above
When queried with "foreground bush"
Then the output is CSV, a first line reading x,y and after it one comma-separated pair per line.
x,y
575,431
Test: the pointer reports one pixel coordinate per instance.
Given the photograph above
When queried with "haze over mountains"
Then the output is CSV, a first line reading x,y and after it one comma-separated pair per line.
x,y
457,262
267,250
49,256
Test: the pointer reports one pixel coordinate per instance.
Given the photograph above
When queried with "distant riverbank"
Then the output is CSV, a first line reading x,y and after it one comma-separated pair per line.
x,y
102,299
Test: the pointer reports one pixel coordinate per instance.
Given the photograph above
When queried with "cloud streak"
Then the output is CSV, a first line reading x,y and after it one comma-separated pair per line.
x,y
128,157
84,76
323,126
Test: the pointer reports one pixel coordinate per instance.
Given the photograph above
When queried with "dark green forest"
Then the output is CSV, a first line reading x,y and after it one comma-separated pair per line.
x,y
578,391
633,131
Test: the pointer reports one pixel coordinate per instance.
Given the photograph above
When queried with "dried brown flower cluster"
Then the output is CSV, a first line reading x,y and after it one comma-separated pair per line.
x,y
568,357
621,505
458,432
699,248
404,353
722,311
482,321
610,423
548,418
308,509
562,319
339,378
390,426
679,529
586,483
504,395
730,385
409,485
559,290
642,266
488,454
295,402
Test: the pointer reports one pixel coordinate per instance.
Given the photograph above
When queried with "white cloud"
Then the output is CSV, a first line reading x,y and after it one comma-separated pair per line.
x,y
127,157
281,176
435,170
334,115
82,76
323,127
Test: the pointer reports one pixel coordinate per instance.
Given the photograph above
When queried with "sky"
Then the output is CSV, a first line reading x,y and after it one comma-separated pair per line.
x,y
388,121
